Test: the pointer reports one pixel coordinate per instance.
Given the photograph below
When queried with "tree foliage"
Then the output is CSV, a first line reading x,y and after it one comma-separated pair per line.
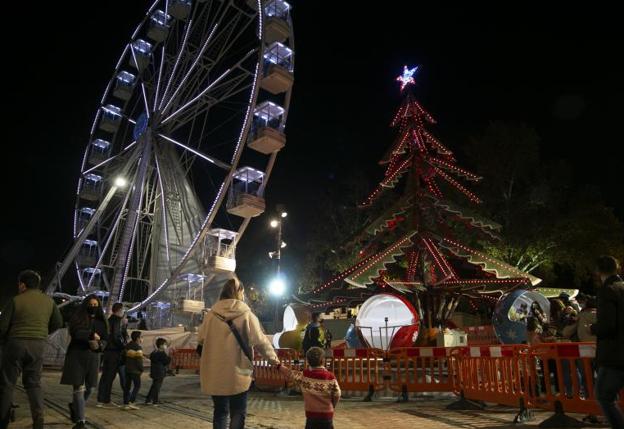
x,y
549,223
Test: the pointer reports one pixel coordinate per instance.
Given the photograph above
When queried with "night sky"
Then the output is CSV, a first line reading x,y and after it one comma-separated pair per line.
x,y
559,71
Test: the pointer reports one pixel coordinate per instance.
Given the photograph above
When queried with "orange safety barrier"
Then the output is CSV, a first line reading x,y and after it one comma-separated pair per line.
x,y
184,359
552,376
491,373
481,335
564,377
266,376
358,369
422,369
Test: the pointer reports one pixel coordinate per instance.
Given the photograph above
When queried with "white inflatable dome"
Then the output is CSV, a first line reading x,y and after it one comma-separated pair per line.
x,y
380,333
289,323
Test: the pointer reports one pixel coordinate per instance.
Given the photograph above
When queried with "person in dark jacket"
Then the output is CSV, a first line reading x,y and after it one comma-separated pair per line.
x,y
111,358
313,335
158,370
133,358
88,330
609,330
25,323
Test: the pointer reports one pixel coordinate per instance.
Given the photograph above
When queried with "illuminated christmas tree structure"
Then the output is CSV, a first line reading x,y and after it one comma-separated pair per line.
x,y
413,249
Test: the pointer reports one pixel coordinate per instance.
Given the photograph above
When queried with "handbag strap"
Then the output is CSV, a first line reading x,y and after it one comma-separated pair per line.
x,y
243,345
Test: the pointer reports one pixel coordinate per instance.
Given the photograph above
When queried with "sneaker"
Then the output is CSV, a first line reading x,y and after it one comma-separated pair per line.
x,y
132,406
126,407
106,405
79,425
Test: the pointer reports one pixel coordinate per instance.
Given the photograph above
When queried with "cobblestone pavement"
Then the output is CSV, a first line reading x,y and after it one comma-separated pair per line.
x,y
185,408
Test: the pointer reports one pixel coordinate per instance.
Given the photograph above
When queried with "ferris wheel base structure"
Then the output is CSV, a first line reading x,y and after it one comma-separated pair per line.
x,y
179,156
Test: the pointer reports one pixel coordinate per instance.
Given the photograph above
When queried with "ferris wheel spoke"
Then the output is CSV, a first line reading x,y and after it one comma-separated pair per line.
x,y
231,90
209,26
112,158
143,91
229,42
102,216
162,62
190,70
212,160
169,54
209,87
142,211
128,260
226,41
162,208
199,96
109,239
177,61
147,107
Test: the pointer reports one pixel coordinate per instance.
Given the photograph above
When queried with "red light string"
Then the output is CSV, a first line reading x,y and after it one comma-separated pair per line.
x,y
492,261
433,188
439,259
381,256
447,165
399,170
443,150
342,275
472,197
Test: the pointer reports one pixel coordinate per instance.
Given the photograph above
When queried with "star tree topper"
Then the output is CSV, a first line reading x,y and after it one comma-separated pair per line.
x,y
407,77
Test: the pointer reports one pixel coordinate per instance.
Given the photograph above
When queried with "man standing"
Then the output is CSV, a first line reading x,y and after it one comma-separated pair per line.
x,y
314,334
609,329
25,323
111,359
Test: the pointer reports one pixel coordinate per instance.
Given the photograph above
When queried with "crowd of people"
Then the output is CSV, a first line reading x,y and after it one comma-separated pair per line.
x,y
97,344
226,371
569,319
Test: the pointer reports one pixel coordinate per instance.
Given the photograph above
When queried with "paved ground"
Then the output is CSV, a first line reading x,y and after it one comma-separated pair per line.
x,y
185,408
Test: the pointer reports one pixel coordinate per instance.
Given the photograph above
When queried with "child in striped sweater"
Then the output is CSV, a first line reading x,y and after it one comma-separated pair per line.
x,y
320,389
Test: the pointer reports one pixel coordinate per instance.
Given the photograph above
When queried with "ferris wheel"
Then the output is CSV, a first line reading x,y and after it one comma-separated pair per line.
x,y
181,148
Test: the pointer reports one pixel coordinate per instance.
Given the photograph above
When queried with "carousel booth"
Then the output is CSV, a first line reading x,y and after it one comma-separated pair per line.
x,y
513,311
386,321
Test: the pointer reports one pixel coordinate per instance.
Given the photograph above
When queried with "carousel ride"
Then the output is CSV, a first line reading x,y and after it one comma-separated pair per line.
x,y
411,267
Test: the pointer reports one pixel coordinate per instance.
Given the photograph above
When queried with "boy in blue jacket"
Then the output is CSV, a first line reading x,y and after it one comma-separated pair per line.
x,y
158,370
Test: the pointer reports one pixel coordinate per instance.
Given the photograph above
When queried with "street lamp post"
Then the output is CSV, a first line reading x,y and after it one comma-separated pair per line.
x,y
277,287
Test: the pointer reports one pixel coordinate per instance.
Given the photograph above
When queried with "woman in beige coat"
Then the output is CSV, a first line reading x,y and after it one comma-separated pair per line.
x,y
225,370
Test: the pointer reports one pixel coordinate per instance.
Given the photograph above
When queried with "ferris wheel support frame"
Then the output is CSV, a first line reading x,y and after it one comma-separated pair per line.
x,y
55,283
128,235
